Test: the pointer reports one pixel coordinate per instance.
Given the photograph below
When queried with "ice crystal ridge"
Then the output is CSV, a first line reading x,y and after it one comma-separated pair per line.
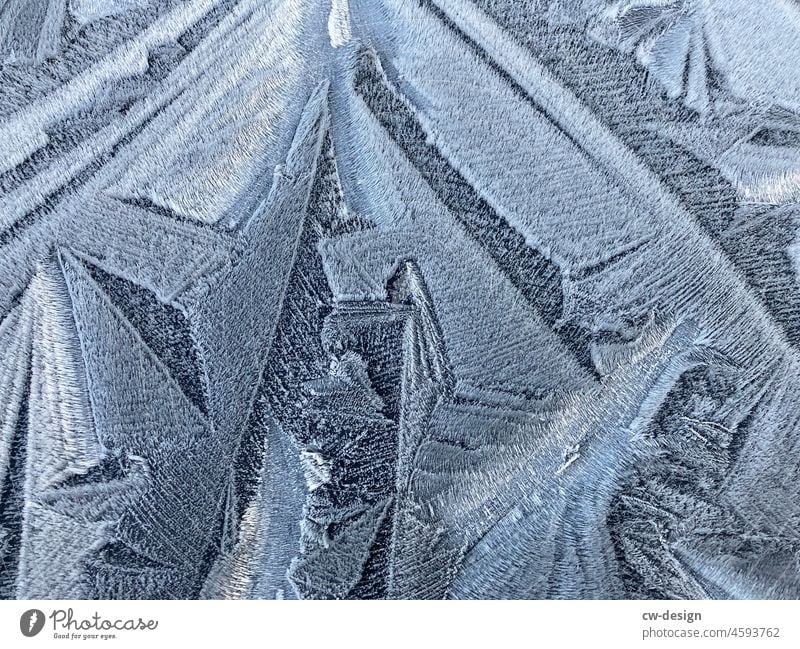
x,y
399,299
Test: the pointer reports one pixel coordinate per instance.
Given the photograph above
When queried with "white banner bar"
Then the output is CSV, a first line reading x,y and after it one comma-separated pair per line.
x,y
352,625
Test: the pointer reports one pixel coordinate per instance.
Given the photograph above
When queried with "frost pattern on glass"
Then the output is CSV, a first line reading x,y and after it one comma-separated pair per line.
x,y
326,299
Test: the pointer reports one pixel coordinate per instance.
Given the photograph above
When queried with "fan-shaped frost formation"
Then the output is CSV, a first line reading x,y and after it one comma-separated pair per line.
x,y
399,299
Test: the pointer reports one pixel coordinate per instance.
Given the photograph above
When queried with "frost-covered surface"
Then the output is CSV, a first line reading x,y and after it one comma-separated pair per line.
x,y
399,299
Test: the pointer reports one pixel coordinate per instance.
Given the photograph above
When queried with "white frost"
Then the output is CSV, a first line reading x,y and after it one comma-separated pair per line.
x,y
339,22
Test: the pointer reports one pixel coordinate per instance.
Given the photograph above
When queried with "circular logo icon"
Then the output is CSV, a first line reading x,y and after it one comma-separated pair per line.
x,y
31,622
